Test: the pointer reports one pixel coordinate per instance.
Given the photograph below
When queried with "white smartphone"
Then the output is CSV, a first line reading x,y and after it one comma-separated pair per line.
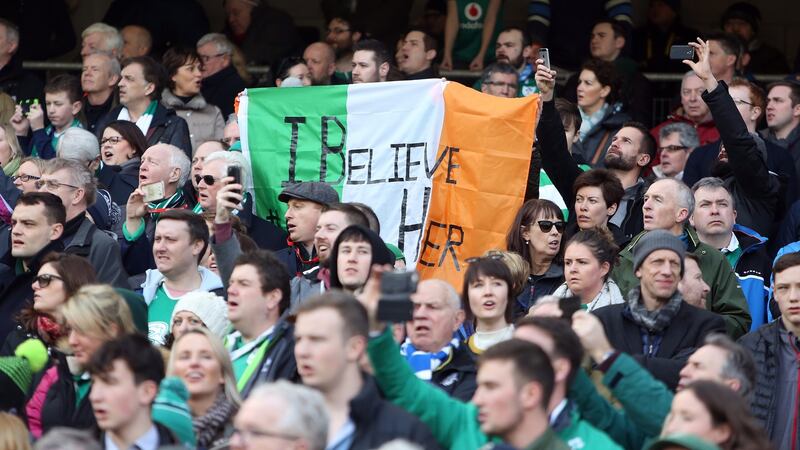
x,y
153,191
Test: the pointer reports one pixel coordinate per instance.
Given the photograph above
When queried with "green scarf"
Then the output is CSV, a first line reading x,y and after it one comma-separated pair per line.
x,y
11,168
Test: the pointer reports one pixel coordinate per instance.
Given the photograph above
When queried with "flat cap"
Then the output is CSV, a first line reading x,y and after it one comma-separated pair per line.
x,y
314,191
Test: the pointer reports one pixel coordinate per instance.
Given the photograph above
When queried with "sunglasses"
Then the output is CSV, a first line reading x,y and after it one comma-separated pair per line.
x,y
209,180
494,255
45,279
547,225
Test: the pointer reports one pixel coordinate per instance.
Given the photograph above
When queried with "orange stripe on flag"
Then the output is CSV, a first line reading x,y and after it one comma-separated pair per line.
x,y
485,151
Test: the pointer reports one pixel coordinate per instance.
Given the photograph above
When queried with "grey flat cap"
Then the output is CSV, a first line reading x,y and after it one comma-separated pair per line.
x,y
314,191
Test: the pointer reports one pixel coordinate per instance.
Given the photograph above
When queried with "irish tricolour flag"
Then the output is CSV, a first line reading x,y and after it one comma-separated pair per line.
x,y
443,166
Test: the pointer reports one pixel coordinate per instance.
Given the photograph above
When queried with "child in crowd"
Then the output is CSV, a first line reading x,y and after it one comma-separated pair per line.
x,y
63,106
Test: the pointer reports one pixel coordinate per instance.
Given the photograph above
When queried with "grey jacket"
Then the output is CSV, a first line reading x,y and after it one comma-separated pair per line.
x,y
102,250
205,120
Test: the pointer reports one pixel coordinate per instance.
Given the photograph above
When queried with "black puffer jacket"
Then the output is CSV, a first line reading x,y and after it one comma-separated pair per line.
x,y
763,345
378,421
535,288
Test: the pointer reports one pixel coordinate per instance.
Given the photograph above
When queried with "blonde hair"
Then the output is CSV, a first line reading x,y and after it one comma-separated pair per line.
x,y
97,309
222,356
11,138
519,268
13,433
7,108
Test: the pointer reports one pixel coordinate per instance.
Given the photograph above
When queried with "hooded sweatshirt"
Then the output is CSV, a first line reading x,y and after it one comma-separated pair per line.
x,y
380,253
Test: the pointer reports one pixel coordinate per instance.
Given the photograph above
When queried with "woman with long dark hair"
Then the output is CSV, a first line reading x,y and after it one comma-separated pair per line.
x,y
536,235
59,277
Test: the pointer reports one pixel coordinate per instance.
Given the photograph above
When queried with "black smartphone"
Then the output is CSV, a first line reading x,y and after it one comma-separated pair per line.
x,y
544,55
568,306
236,173
395,304
681,52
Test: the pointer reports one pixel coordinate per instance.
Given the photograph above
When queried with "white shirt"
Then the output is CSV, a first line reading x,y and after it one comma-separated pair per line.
x,y
147,441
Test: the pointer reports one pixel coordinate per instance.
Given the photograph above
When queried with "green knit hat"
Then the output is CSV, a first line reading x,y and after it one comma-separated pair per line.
x,y
16,372
171,410
398,254
687,441
137,306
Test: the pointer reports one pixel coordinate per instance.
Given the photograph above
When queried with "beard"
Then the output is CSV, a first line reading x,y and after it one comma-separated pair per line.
x,y
615,162
515,63
721,169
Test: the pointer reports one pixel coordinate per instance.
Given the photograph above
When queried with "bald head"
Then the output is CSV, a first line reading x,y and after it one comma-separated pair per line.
x,y
321,61
136,41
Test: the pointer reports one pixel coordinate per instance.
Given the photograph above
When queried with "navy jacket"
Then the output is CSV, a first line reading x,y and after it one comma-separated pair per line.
x,y
166,127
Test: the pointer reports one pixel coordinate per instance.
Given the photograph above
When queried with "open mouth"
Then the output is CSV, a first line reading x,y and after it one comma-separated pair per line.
x,y
489,304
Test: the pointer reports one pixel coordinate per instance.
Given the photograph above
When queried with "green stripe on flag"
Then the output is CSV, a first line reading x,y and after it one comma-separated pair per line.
x,y
293,135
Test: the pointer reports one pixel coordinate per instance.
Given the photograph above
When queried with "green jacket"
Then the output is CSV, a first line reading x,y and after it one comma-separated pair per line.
x,y
630,383
453,423
580,434
726,297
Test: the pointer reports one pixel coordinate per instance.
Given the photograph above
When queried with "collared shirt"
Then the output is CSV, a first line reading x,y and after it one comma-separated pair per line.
x,y
733,251
147,441
241,352
344,437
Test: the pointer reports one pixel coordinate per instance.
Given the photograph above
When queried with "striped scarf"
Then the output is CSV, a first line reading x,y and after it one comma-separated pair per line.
x,y
174,202
423,364
142,122
212,424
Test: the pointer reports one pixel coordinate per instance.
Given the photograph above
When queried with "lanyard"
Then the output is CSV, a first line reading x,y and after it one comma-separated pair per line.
x,y
251,365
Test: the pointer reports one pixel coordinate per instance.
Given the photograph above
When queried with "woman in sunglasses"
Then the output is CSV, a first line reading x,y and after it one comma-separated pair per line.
x,y
59,277
94,315
588,259
121,149
488,301
536,235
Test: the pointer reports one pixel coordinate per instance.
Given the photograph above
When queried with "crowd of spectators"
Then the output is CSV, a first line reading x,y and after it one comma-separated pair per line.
x,y
647,295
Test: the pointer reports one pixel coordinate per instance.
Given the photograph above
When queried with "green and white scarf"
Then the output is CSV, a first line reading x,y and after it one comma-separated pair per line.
x,y
142,122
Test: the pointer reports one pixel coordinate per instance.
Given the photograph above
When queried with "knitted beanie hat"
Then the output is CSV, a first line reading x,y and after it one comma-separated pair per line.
x,y
657,240
16,372
171,409
208,307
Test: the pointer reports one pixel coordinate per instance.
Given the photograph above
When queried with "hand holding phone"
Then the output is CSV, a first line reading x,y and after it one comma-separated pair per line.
x,y
395,304
153,191
681,52
235,172
544,55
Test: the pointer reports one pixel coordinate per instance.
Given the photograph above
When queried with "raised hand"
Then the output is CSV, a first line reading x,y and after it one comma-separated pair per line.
x,y
545,80
229,197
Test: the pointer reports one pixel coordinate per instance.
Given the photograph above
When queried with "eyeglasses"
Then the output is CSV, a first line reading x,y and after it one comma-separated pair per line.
x,y
210,180
502,84
53,185
113,139
247,435
493,255
24,178
45,279
207,58
673,148
739,101
547,225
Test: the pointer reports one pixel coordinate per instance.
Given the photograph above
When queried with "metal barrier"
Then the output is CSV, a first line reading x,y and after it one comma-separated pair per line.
x,y
463,74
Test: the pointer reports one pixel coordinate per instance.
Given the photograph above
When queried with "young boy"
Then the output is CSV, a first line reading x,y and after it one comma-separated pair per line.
x,y
126,373
63,103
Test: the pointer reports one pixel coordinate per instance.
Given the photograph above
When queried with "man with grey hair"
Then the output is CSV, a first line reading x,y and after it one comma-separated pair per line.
x,y
277,414
209,181
136,41
101,37
99,78
221,81
501,80
63,438
433,348
74,184
668,205
693,111
715,218
20,84
164,169
676,141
